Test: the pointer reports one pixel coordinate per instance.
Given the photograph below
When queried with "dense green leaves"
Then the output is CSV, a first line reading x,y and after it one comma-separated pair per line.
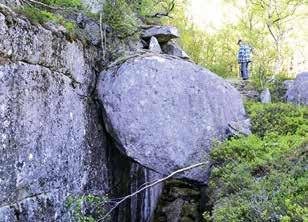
x,y
125,17
121,17
64,3
87,208
282,119
263,177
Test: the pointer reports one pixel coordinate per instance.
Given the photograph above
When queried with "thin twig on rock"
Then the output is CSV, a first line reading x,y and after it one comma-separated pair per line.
x,y
149,186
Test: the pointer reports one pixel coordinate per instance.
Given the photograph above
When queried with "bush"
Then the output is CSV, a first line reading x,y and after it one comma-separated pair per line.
x,y
64,3
38,16
276,86
87,208
121,17
262,177
277,118
278,89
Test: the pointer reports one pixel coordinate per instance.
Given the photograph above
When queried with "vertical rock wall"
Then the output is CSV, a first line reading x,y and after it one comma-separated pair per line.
x,y
52,140
52,144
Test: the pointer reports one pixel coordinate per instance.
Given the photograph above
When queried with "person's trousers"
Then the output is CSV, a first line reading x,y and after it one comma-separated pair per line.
x,y
244,70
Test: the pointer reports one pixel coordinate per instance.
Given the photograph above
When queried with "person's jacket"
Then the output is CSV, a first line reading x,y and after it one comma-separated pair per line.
x,y
244,54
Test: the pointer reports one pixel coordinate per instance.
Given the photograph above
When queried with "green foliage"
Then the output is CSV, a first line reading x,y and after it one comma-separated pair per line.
x,y
64,3
125,16
87,208
151,7
38,16
282,119
277,88
262,177
122,18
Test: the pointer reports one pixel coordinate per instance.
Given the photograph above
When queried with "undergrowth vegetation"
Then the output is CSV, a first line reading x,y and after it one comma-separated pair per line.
x,y
125,17
263,177
41,14
87,208
64,3
121,17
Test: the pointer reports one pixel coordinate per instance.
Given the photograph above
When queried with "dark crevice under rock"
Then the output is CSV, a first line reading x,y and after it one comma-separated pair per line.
x,y
180,201
125,177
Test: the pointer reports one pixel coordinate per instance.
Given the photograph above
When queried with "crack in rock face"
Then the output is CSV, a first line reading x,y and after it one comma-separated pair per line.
x,y
166,113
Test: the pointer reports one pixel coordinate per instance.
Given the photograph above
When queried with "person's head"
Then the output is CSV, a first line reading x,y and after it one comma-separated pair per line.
x,y
240,42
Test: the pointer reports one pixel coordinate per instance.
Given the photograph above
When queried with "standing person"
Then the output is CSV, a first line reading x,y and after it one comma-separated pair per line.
x,y
244,58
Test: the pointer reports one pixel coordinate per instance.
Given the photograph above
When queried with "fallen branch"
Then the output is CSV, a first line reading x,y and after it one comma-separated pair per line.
x,y
103,34
151,185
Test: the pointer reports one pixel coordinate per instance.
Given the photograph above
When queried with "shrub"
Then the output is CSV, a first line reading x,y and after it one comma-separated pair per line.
x,y
121,17
262,177
278,89
277,118
87,208
38,16
64,3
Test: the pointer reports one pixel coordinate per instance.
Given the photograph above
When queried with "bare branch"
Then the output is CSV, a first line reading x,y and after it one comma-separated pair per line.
x,y
151,185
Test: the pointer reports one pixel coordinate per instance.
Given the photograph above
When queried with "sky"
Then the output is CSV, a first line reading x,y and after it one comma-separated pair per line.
x,y
210,14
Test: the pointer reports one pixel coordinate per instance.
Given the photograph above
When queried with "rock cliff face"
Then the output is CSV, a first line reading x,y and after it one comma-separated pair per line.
x,y
53,144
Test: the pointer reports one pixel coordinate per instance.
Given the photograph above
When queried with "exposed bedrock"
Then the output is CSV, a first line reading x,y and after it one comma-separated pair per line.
x,y
52,140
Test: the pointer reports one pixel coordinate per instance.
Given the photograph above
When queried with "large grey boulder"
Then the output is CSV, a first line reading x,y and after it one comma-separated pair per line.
x,y
165,113
298,91
162,33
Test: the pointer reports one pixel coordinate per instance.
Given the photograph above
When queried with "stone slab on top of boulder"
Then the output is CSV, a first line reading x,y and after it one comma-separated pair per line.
x,y
165,112
298,90
171,48
162,33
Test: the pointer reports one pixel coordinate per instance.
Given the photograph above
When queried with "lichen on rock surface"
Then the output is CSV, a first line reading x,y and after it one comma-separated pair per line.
x,y
52,145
